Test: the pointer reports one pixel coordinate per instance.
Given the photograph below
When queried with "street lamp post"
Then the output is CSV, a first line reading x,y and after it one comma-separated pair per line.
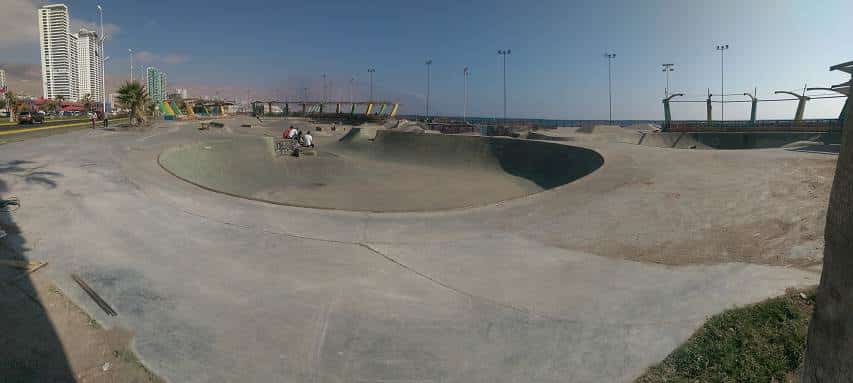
x,y
131,64
103,63
666,68
324,87
428,65
371,71
465,74
722,49
351,88
104,80
504,53
610,57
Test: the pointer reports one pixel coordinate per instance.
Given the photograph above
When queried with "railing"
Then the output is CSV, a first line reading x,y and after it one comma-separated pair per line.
x,y
822,125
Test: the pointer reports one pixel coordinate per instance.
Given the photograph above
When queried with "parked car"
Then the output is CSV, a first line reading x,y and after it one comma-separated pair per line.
x,y
30,118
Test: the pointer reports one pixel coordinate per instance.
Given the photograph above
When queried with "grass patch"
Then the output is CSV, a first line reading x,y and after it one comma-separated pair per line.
x,y
763,342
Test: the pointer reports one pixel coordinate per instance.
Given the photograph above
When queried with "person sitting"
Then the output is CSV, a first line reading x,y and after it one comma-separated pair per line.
x,y
293,133
286,133
308,140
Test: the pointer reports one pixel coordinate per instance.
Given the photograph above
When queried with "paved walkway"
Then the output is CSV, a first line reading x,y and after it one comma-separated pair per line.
x,y
220,289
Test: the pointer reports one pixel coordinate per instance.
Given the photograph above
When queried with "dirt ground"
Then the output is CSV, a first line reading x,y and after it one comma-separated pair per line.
x,y
46,338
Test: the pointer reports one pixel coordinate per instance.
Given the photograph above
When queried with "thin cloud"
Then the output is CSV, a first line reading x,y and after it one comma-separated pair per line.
x,y
148,57
109,29
19,19
23,78
20,23
175,58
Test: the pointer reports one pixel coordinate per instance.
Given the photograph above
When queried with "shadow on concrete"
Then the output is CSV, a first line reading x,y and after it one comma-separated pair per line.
x,y
30,348
820,149
546,164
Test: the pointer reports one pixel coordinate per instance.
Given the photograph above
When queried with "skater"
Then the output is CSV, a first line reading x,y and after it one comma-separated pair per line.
x,y
308,140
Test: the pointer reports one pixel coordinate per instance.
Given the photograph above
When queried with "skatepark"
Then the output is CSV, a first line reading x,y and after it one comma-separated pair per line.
x,y
388,256
382,170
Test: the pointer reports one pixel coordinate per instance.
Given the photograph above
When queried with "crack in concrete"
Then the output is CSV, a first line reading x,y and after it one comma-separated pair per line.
x,y
451,288
530,313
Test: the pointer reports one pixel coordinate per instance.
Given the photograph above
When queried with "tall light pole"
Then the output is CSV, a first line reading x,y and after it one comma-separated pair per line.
x,y
104,80
504,53
351,88
722,49
610,57
666,68
371,71
103,63
465,74
324,87
428,65
131,64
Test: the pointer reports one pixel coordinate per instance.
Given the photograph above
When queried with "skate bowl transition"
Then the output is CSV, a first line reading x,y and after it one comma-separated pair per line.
x,y
390,172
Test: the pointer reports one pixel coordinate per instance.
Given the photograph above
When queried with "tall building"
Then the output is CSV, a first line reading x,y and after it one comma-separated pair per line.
x,y
2,79
90,65
58,49
163,86
113,102
154,82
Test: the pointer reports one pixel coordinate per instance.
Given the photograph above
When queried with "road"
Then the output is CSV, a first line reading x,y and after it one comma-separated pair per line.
x,y
588,282
6,125
18,132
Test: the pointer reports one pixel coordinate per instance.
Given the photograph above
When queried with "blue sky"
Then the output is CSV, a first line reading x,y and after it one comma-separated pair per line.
x,y
556,70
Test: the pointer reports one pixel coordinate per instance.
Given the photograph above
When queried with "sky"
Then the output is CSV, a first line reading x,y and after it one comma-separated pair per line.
x,y
557,69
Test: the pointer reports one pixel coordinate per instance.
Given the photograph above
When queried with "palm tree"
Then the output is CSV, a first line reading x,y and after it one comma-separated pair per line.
x,y
87,102
829,346
50,106
11,103
133,96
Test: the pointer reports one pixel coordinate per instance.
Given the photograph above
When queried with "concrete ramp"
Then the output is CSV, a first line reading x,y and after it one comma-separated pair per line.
x,y
546,164
393,171
735,140
598,133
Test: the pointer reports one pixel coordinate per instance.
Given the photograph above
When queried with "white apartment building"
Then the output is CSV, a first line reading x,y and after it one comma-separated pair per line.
x,y
90,66
113,102
2,78
58,49
154,81
163,86
71,64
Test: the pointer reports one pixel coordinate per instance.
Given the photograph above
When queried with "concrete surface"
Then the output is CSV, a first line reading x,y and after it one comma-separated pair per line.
x,y
718,140
536,289
395,171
